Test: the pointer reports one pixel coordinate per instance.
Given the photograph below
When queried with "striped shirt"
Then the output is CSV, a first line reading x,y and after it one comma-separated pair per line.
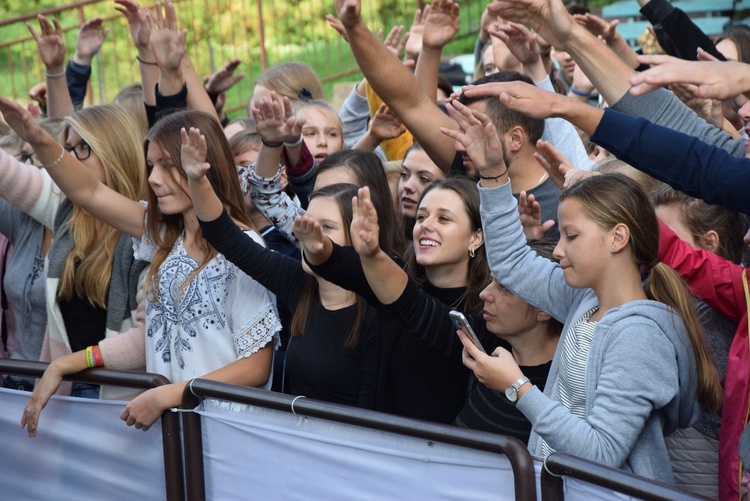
x,y
573,357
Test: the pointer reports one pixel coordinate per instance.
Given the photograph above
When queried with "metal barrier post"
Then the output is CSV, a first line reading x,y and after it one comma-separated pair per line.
x,y
513,449
169,421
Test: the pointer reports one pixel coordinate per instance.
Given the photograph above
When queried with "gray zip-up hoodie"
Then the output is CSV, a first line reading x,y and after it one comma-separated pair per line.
x,y
641,375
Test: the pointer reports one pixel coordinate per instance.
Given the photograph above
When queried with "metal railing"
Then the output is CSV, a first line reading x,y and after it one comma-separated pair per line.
x,y
558,465
261,33
513,449
170,424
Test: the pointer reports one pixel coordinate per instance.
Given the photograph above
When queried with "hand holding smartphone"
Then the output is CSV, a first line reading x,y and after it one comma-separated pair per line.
x,y
461,323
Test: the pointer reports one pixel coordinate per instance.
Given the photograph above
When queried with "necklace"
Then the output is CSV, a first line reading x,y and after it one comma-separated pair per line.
x,y
544,176
460,299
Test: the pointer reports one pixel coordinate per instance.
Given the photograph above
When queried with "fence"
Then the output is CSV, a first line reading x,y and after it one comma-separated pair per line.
x,y
345,450
261,33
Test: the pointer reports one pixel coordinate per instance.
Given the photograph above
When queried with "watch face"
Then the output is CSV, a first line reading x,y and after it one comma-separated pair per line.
x,y
511,393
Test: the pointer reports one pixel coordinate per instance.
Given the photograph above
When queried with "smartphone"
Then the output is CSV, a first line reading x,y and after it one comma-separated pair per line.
x,y
459,320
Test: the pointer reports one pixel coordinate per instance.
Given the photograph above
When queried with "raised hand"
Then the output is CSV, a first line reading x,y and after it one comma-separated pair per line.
x,y
310,235
138,22
22,122
416,32
721,80
90,38
520,41
274,120
442,24
706,108
530,214
385,124
38,93
193,154
559,168
350,12
477,137
549,18
167,41
394,41
519,96
607,30
50,43
364,230
224,78
335,23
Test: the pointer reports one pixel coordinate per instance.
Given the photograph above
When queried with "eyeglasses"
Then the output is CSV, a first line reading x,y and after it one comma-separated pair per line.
x,y
26,158
81,150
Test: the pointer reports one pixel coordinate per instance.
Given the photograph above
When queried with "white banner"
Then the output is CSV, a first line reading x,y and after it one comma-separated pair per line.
x,y
82,451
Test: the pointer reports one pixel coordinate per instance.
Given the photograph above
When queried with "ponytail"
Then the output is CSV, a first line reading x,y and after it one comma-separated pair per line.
x,y
666,286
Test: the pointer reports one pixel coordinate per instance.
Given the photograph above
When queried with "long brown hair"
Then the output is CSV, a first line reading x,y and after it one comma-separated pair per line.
x,y
165,229
342,194
613,199
478,272
114,135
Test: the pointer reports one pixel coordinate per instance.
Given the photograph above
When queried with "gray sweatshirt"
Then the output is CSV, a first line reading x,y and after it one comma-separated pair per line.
x,y
641,376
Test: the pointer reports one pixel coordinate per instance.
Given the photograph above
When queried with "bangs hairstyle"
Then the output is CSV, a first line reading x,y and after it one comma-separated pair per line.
x,y
165,229
300,106
700,218
612,199
478,272
244,140
342,195
502,118
368,171
113,135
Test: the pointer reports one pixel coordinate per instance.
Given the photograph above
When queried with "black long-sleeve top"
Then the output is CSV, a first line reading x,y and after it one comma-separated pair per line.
x,y
485,409
317,363
415,379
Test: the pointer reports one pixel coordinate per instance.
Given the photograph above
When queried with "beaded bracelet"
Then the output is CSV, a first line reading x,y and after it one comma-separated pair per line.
x,y
57,161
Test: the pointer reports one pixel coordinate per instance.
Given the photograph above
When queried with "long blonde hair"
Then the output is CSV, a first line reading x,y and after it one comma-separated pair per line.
x,y
612,199
114,135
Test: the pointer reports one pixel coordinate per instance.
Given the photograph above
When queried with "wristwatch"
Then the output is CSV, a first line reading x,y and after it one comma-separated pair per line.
x,y
511,392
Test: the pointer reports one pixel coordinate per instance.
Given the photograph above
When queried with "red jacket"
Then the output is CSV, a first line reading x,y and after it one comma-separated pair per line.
x,y
719,283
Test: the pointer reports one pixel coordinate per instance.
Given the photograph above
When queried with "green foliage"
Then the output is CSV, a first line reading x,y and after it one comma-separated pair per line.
x,y
218,30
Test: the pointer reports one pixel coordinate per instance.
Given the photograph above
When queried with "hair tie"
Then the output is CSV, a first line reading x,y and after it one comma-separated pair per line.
x,y
653,263
305,93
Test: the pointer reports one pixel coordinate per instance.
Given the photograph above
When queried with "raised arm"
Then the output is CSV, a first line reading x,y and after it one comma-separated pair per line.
x,y
140,31
52,52
89,41
398,88
78,183
441,23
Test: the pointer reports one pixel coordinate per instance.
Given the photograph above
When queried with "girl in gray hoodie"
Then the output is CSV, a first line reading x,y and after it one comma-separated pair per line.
x,y
631,364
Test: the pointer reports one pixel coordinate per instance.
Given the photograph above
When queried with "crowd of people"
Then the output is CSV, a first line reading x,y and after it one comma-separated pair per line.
x,y
580,203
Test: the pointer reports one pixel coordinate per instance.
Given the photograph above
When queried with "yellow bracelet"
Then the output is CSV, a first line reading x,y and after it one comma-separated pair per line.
x,y
90,357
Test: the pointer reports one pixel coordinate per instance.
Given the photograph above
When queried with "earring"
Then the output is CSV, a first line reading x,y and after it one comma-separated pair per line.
x,y
471,252
613,248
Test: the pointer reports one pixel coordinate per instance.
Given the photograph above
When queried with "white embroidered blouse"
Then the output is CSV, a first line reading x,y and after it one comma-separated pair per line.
x,y
220,316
